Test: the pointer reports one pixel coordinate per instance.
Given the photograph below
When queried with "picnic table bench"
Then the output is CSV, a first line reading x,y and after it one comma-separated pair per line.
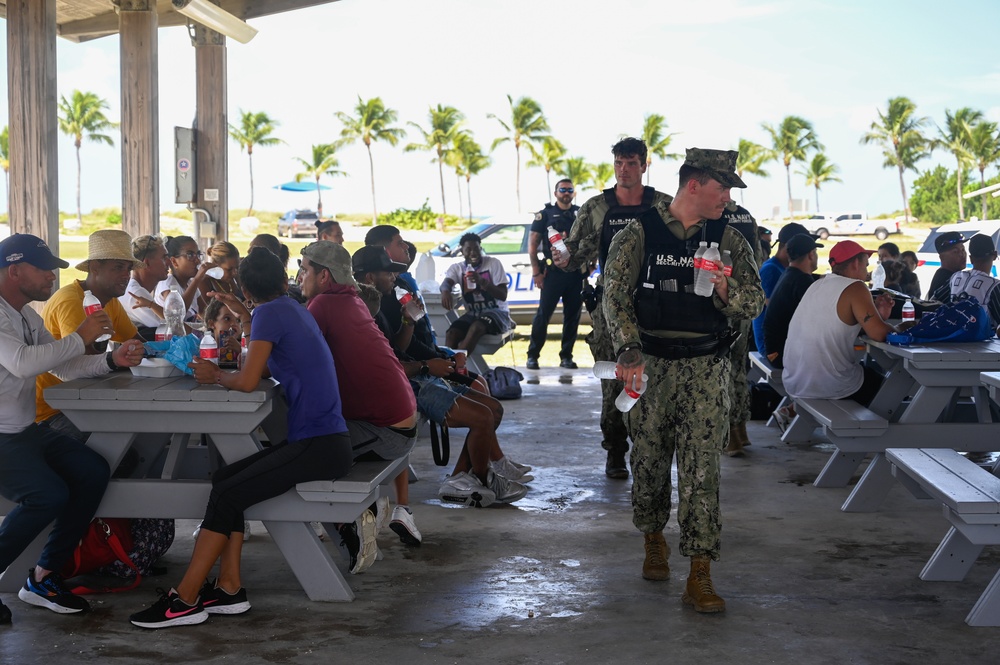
x,y
762,369
970,498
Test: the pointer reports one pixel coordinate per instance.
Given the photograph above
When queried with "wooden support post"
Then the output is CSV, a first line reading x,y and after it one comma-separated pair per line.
x,y
139,117
212,131
31,77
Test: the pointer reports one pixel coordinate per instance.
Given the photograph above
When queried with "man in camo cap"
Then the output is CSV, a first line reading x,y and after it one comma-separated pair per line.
x,y
681,340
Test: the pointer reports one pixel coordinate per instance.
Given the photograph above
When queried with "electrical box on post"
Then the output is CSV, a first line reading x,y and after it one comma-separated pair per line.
x,y
184,153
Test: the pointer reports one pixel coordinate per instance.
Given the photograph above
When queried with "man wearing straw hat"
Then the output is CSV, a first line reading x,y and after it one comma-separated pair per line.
x,y
108,266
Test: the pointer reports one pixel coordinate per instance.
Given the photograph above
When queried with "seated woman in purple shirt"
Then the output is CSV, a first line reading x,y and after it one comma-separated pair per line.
x,y
284,337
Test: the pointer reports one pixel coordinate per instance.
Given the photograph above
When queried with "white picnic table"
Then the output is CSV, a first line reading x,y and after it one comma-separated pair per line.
x,y
934,375
119,408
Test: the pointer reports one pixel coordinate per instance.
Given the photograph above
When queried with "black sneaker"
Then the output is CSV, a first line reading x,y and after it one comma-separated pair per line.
x,y
52,594
4,614
532,363
218,601
168,611
349,539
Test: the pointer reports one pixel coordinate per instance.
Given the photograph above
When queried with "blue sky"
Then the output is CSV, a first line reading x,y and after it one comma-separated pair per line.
x,y
715,69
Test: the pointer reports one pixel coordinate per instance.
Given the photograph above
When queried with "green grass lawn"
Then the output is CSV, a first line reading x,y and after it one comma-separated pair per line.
x,y
515,353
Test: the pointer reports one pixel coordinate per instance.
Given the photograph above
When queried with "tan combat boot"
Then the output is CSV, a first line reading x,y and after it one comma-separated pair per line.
x,y
655,567
699,591
735,446
744,437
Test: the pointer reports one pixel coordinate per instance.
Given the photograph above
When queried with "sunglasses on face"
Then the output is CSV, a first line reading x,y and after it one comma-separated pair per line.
x,y
565,190
192,255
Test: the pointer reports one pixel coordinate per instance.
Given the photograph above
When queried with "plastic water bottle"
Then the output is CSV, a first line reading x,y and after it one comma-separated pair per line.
x,y
163,333
174,311
727,263
90,305
409,304
556,240
909,311
606,369
209,349
878,277
627,398
470,278
215,273
710,260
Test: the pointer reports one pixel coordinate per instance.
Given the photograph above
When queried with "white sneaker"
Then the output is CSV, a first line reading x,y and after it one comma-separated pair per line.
x,y
382,513
466,489
369,548
783,417
506,468
506,490
403,526
523,468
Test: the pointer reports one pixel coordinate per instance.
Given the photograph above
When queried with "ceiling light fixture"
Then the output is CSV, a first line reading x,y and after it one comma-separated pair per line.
x,y
215,18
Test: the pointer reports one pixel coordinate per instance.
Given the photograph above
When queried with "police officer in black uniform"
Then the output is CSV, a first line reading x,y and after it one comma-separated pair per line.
x,y
553,283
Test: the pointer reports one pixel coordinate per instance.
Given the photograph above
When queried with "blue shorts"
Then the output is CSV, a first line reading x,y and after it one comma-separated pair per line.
x,y
435,396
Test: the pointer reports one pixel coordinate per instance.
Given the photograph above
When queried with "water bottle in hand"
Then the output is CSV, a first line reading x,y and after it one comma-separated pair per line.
x,y
628,397
556,240
174,312
209,349
710,260
606,369
90,305
409,305
878,277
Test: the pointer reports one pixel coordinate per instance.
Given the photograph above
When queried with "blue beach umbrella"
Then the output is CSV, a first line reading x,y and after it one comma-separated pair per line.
x,y
304,186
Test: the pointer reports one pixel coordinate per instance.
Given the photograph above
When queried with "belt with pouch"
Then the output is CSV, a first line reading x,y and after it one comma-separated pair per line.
x,y
677,348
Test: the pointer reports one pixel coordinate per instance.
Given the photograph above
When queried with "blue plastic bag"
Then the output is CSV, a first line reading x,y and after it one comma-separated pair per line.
x,y
178,350
962,319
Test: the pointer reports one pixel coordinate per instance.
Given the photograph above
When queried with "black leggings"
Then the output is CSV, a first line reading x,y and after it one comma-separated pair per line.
x,y
270,472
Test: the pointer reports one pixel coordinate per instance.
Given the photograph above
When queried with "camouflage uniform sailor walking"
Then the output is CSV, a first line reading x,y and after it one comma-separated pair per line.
x,y
597,222
681,341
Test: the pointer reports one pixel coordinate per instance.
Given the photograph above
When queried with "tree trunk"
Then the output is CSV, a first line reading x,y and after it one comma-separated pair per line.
x,y
250,157
902,188
548,181
517,179
468,194
817,198
371,171
788,177
983,198
649,163
444,207
319,199
458,186
79,212
958,181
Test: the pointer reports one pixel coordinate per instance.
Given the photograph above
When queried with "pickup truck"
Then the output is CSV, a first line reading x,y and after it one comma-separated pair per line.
x,y
850,223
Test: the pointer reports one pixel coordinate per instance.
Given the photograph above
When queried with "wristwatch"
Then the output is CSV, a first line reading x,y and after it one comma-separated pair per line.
x,y
628,347
109,358
424,369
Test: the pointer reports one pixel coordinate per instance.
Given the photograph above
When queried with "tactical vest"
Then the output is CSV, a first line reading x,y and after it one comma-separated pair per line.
x,y
618,216
664,294
741,220
559,219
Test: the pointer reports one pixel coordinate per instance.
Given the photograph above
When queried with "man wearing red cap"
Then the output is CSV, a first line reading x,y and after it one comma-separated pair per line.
x,y
819,357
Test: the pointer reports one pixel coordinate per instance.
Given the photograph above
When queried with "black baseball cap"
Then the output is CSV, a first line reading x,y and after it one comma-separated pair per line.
x,y
800,245
374,258
789,231
26,248
981,246
947,240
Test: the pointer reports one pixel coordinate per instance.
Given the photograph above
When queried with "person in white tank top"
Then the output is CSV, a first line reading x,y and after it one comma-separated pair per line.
x,y
820,361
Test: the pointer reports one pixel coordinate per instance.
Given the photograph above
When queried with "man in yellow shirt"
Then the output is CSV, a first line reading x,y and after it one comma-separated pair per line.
x,y
108,266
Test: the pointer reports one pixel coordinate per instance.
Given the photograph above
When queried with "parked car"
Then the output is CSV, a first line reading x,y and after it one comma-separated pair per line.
x,y
506,238
927,257
850,223
298,223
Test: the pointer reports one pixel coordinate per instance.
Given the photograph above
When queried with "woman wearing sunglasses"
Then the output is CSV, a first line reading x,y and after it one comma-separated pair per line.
x,y
187,273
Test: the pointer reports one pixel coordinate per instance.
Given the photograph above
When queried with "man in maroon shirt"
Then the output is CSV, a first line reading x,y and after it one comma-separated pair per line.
x,y
376,397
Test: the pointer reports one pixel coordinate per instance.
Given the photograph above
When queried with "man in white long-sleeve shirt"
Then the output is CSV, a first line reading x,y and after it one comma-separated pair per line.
x,y
49,476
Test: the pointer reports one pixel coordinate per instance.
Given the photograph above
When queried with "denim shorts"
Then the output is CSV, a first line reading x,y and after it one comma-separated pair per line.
x,y
435,396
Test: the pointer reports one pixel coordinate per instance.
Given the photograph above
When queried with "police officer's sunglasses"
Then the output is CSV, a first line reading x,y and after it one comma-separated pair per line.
x,y
565,190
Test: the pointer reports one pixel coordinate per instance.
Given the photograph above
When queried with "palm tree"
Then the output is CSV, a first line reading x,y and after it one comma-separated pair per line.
x,y
372,122
468,159
445,123
653,127
549,156
322,162
898,132
955,138
254,129
820,171
578,170
751,159
453,158
600,175
5,164
83,116
792,140
527,125
984,148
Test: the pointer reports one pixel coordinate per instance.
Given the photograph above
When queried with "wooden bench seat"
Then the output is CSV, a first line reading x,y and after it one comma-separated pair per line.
x,y
843,417
970,498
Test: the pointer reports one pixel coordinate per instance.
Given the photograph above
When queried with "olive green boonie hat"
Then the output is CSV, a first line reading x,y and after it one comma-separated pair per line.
x,y
720,164
334,258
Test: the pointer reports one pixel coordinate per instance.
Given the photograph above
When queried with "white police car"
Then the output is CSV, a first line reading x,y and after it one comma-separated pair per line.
x,y
506,238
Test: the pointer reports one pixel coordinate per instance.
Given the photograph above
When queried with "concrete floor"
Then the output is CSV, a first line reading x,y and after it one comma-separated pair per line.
x,y
556,577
